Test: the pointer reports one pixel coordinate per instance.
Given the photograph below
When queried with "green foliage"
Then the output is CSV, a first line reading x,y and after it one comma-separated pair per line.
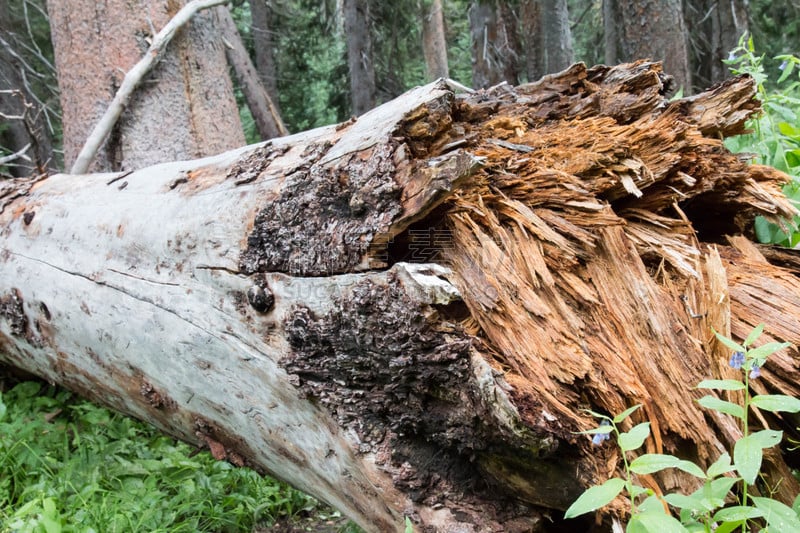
x,y
71,466
776,27
586,21
705,509
775,137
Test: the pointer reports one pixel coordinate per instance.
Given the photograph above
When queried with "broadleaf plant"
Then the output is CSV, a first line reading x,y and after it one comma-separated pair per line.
x,y
704,510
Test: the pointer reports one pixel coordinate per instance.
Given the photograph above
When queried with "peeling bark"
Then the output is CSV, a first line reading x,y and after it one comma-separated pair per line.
x,y
407,313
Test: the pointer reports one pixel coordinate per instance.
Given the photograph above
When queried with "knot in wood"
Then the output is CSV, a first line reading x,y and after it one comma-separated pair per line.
x,y
260,298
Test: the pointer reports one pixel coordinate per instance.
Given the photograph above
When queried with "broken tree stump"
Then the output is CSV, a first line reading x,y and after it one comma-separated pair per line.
x,y
406,314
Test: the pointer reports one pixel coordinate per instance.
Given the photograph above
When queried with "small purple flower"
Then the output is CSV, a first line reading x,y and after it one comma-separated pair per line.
x,y
783,65
737,360
755,371
731,56
599,438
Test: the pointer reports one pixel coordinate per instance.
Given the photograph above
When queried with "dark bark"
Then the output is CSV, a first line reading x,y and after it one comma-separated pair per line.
x,y
715,27
262,107
434,44
651,29
263,29
359,55
610,32
495,43
548,39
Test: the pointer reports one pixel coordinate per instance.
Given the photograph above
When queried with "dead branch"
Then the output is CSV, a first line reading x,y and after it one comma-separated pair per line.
x,y
16,155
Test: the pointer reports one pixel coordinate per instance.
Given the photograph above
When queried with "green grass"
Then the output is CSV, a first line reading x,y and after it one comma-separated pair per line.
x,y
67,465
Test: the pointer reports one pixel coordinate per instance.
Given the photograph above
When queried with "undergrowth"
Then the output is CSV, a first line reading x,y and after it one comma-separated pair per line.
x,y
775,134
67,465
724,502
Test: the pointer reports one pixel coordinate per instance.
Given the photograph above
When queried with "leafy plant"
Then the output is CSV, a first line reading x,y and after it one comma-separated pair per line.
x,y
775,137
705,509
68,466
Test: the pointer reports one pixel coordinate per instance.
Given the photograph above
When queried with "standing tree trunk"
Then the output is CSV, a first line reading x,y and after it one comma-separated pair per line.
x,y
495,44
265,113
548,41
610,32
261,302
262,29
715,28
359,55
731,22
434,43
189,91
23,120
650,29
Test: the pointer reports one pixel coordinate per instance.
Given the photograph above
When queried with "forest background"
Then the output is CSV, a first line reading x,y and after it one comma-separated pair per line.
x,y
300,50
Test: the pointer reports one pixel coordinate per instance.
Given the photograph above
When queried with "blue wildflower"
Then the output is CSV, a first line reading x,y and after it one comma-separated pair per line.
x,y
737,360
783,65
599,438
731,56
755,371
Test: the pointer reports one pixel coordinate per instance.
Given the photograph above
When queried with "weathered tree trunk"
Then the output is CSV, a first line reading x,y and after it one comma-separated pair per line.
x,y
714,28
434,43
263,29
495,44
571,250
548,39
265,113
355,16
610,33
96,44
652,29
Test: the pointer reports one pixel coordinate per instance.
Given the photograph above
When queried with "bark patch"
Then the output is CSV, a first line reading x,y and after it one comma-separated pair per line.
x,y
251,166
326,216
382,370
12,312
377,363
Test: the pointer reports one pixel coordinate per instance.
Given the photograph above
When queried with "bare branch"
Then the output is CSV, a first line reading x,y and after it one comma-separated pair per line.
x,y
132,80
16,155
19,58
31,37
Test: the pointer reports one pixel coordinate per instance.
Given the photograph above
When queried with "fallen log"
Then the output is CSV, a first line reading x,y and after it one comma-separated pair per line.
x,y
406,314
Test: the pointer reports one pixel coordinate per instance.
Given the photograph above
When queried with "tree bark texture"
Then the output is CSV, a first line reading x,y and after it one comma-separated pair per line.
x,y
263,30
434,42
610,35
359,55
652,29
190,89
548,39
265,113
407,314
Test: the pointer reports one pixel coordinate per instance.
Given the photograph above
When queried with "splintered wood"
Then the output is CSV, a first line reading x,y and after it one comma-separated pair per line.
x,y
591,251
